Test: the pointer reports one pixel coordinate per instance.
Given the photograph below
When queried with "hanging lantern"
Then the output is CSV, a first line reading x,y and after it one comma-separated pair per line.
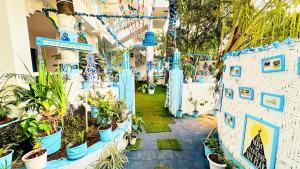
x,y
150,39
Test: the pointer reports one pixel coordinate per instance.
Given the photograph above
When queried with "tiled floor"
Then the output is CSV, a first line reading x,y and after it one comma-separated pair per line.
x,y
188,131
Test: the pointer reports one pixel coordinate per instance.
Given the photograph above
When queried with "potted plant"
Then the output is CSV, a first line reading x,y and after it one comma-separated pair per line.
x,y
130,137
151,88
78,147
188,72
85,84
104,120
137,123
113,158
210,145
6,156
35,159
216,161
120,113
195,103
5,100
179,113
143,88
47,96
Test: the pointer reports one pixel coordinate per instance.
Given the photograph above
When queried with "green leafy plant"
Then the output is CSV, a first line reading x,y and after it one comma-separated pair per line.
x,y
118,109
6,97
34,128
112,159
143,88
81,136
212,142
105,114
137,120
188,70
4,149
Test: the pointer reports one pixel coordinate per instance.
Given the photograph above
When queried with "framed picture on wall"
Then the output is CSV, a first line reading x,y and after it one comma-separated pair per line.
x,y
246,93
259,142
272,101
229,119
235,71
273,64
228,93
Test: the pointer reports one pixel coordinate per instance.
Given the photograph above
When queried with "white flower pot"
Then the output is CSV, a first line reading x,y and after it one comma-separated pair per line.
x,y
37,162
190,80
213,165
132,141
151,91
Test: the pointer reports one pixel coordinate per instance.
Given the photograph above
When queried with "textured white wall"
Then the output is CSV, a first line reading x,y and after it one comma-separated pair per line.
x,y
286,83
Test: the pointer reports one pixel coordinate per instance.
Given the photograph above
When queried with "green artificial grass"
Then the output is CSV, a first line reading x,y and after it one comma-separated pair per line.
x,y
151,108
136,146
162,167
168,144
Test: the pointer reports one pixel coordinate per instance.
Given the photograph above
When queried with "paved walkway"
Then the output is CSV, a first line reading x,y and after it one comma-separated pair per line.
x,y
189,133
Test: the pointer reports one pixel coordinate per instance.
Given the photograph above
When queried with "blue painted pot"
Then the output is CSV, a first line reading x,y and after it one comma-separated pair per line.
x,y
179,114
208,150
195,114
94,112
52,142
135,127
85,84
77,152
106,135
5,162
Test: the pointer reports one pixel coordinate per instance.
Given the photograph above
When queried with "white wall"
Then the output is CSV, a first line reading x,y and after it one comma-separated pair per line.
x,y
286,83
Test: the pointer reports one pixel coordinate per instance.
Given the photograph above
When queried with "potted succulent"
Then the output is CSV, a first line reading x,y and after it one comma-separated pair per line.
x,y
104,119
210,145
6,156
188,72
151,88
35,159
78,147
216,161
137,123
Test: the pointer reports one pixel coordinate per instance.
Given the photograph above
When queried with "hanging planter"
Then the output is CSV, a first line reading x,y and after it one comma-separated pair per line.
x,y
35,159
86,84
76,152
94,112
52,142
5,160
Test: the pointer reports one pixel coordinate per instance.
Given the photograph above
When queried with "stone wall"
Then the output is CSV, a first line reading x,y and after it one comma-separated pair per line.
x,y
286,83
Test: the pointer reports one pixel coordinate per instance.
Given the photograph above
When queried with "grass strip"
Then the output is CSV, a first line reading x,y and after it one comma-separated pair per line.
x,y
168,144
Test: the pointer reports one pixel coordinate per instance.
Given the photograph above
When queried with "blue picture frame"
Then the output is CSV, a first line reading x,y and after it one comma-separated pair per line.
x,y
228,93
228,116
277,97
243,93
237,69
298,66
278,60
274,140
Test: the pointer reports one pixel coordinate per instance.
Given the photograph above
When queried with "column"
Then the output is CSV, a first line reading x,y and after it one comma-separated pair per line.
x,y
14,39
68,32
150,51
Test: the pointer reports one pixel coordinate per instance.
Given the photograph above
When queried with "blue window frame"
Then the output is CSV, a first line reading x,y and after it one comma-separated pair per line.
x,y
235,71
228,116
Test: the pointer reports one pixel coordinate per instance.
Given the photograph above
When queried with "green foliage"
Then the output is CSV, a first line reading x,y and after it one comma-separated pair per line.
x,y
212,142
113,159
143,88
188,70
118,109
168,144
73,121
137,120
46,92
81,136
4,149
105,113
6,97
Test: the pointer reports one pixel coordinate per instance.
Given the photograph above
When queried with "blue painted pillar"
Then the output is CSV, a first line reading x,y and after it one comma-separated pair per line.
x,y
126,84
175,85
